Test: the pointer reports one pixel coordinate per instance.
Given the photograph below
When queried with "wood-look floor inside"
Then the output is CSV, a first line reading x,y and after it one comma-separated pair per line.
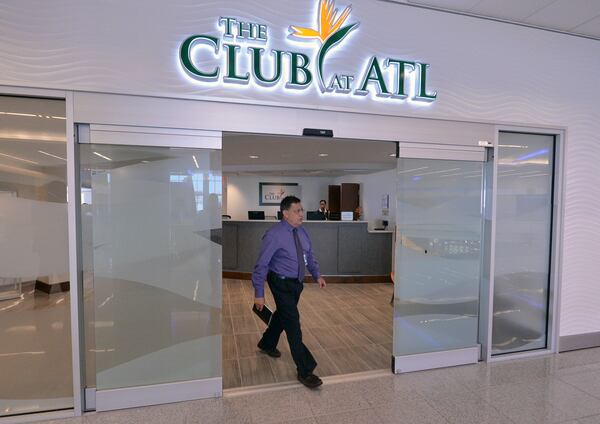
x,y
347,327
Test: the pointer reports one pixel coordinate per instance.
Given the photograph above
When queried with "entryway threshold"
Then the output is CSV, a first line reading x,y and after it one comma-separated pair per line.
x,y
334,379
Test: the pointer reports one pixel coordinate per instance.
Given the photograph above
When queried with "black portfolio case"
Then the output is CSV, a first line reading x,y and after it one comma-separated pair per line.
x,y
265,314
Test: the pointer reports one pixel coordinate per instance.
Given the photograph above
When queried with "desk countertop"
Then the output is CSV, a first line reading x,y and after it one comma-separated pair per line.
x,y
304,222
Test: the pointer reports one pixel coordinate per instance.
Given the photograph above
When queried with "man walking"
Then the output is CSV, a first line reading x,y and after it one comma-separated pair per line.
x,y
285,252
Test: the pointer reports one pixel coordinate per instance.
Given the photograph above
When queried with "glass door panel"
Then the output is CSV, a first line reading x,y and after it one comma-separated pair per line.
x,y
152,267
523,242
35,320
438,255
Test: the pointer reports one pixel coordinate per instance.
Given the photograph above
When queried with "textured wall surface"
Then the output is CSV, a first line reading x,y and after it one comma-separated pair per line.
x,y
482,70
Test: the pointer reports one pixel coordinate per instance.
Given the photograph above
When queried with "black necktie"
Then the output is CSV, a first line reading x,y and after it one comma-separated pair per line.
x,y
300,254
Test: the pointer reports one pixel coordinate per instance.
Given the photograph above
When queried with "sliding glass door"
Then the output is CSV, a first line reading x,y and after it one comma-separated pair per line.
x,y
438,257
150,219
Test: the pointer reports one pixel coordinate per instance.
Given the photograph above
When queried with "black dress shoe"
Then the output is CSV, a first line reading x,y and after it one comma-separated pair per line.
x,y
311,381
273,353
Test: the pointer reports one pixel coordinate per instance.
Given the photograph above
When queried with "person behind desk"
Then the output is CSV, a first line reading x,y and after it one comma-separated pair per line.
x,y
323,209
285,252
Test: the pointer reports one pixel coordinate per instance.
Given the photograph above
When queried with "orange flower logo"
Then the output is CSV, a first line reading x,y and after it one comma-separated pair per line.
x,y
329,23
330,31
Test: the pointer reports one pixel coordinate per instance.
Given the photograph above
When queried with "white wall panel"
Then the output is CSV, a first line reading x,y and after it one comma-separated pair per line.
x,y
482,70
372,188
242,193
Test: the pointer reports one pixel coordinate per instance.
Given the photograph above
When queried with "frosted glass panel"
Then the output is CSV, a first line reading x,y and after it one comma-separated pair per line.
x,y
438,257
523,234
151,219
35,326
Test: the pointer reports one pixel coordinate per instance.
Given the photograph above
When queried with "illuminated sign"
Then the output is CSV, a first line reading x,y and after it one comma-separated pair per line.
x,y
389,78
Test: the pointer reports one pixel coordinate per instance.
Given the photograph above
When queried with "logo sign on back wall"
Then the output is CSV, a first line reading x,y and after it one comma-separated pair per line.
x,y
241,55
271,194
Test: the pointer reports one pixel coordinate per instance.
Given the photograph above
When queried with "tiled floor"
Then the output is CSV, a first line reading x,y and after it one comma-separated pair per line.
x,y
561,389
35,352
348,328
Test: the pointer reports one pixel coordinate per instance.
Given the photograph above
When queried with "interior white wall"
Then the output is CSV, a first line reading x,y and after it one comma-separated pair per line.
x,y
483,71
372,188
242,193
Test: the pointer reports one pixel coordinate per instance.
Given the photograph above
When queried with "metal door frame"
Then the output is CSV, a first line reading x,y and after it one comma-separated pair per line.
x,y
138,136
110,108
552,345
432,151
67,96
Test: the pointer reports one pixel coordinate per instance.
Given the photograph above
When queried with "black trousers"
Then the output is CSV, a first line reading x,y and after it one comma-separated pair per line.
x,y
286,317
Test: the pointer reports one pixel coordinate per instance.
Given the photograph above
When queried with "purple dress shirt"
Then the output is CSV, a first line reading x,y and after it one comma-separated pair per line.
x,y
278,255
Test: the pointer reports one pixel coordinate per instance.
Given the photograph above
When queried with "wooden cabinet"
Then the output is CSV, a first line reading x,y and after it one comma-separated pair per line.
x,y
343,198
334,198
349,200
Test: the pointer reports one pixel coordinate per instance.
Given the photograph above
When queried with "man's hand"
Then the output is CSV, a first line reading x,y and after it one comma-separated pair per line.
x,y
321,282
259,302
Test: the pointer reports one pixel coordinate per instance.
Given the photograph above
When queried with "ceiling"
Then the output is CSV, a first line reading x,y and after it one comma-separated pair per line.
x,y
578,17
251,154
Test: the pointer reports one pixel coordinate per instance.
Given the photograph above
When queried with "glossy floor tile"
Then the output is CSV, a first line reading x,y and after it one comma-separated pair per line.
x,y
554,390
35,352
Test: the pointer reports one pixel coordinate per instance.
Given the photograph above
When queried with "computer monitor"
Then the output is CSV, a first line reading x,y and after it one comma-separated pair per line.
x,y
256,215
315,216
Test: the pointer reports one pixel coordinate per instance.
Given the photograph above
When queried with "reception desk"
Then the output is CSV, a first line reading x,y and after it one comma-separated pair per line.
x,y
343,249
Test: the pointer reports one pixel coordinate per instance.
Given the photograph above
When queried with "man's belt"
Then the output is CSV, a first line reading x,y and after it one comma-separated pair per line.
x,y
282,277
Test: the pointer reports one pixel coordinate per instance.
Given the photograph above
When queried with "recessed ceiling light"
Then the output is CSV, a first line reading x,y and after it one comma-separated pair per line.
x,y
102,156
323,155
51,155
18,114
253,157
517,146
18,158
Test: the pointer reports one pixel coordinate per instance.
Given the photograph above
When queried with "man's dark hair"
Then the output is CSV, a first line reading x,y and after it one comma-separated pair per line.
x,y
323,200
287,203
